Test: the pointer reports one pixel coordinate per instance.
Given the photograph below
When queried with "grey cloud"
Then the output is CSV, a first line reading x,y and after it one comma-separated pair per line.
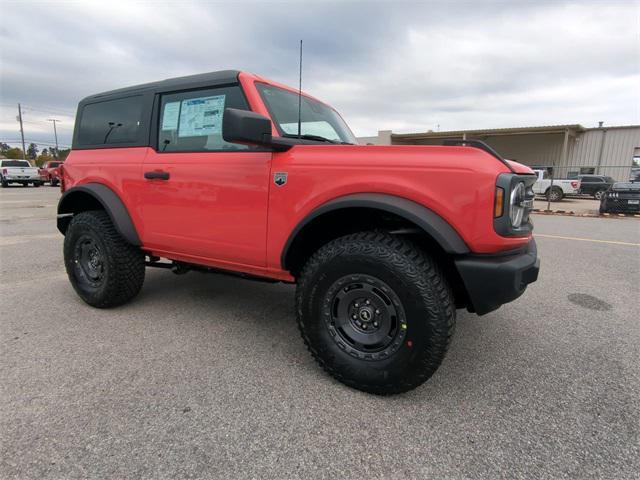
x,y
407,66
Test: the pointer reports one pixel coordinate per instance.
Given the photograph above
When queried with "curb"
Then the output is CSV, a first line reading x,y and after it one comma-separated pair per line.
x,y
571,213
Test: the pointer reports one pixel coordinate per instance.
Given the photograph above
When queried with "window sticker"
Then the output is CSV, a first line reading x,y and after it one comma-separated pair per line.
x,y
170,116
201,116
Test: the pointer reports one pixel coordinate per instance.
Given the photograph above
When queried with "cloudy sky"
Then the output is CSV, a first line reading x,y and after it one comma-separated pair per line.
x,y
405,66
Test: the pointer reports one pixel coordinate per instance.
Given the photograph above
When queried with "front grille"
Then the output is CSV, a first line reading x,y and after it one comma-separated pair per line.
x,y
621,203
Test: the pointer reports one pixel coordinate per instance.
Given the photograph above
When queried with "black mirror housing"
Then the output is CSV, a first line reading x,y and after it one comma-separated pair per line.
x,y
250,128
243,126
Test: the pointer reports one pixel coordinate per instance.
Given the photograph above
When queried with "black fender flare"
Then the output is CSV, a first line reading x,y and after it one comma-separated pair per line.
x,y
429,221
111,203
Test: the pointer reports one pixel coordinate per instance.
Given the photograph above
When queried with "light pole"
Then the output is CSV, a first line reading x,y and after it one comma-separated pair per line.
x,y
55,133
24,151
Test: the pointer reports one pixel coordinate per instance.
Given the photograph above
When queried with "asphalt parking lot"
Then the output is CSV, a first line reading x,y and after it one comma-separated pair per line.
x,y
205,376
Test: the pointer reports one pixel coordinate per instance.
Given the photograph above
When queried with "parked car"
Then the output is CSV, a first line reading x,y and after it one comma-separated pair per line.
x,y
19,171
229,175
559,189
622,197
594,185
50,172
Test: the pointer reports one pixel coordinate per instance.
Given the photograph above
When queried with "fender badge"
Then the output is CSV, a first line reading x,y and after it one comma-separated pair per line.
x,y
280,178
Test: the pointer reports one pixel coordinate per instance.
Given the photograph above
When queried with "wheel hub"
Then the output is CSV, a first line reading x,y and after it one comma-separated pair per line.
x,y
365,317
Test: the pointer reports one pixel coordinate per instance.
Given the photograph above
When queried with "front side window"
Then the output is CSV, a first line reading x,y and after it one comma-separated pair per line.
x,y
192,121
111,122
317,121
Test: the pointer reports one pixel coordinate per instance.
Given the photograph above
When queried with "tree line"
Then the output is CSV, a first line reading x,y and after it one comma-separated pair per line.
x,y
34,154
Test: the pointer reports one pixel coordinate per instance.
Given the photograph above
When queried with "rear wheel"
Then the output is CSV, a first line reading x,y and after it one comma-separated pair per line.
x,y
375,312
554,194
4,183
103,268
598,195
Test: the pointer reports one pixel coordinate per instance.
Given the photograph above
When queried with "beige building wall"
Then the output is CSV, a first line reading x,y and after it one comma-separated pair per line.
x,y
606,150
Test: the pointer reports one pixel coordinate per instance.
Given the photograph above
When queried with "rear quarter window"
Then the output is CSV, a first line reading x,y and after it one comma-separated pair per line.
x,y
111,122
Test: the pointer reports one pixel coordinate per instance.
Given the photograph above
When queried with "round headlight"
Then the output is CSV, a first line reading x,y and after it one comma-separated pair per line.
x,y
516,210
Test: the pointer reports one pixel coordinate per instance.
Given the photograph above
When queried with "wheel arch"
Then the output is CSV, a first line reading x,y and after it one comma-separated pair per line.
x,y
95,196
424,219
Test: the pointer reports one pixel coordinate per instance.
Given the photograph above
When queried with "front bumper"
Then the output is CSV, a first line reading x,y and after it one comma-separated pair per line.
x,y
22,178
491,281
620,205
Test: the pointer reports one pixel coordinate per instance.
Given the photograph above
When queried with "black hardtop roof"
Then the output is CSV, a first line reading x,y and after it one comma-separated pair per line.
x,y
179,83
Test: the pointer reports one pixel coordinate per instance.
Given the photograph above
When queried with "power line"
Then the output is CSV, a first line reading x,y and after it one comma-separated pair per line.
x,y
58,111
37,142
50,110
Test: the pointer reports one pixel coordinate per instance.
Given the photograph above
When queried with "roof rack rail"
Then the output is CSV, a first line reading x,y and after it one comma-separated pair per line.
x,y
478,144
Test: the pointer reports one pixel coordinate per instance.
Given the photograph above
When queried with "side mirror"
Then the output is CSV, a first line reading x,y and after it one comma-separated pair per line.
x,y
250,128
242,126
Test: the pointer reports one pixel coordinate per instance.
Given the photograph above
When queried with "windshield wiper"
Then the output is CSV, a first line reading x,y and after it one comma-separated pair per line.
x,y
319,138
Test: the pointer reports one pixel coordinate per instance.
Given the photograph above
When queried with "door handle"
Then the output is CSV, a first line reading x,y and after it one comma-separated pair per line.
x,y
156,175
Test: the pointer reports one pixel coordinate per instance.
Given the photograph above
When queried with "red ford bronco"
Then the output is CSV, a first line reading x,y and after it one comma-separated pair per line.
x,y
229,172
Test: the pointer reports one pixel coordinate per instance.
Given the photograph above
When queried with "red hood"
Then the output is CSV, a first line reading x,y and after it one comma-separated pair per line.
x,y
519,168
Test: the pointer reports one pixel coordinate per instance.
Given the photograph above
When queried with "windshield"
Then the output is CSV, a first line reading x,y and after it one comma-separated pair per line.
x,y
15,163
54,164
316,119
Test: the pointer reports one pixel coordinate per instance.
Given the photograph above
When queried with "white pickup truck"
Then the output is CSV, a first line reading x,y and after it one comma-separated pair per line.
x,y
558,190
19,171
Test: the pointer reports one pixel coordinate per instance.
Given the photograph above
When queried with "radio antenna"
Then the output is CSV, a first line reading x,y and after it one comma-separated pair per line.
x,y
300,95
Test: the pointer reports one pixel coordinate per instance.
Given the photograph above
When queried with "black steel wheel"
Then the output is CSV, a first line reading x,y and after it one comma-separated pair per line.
x,y
103,268
89,262
375,311
365,318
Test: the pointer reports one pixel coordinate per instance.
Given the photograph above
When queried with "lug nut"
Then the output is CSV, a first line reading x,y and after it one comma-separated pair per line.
x,y
357,305
377,312
364,326
367,302
354,316
375,324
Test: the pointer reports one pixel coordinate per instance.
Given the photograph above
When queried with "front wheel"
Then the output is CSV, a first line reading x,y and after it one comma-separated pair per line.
x,y
103,268
598,195
375,312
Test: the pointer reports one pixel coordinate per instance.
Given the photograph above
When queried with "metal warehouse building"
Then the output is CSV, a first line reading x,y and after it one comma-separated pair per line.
x,y
570,149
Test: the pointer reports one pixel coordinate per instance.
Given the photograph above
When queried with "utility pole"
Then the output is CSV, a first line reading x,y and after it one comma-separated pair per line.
x,y
55,133
24,151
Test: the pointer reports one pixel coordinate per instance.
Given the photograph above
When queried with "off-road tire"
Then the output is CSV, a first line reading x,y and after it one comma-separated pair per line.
x,y
554,194
416,281
123,265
